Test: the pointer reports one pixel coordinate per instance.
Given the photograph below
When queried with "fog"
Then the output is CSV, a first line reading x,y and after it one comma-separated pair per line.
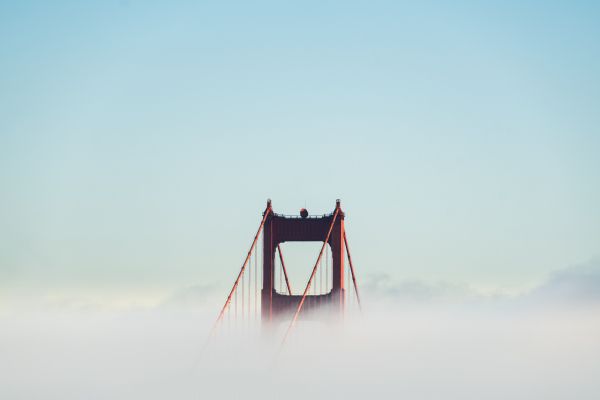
x,y
537,345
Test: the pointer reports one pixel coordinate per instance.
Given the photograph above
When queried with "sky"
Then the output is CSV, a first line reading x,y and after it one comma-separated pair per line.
x,y
139,141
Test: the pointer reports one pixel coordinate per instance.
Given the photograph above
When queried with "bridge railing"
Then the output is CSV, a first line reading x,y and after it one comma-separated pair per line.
x,y
295,216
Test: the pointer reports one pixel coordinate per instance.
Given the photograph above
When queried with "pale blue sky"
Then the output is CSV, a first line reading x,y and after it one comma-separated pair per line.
x,y
139,141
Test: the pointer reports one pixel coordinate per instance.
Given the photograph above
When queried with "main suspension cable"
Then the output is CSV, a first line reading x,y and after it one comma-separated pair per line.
x,y
352,271
285,274
312,275
242,269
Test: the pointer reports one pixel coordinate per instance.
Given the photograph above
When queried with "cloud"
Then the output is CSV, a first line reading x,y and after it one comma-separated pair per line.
x,y
383,287
576,284
467,352
189,297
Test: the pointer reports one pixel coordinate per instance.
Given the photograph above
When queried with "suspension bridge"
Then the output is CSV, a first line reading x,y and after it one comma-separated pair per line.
x,y
331,286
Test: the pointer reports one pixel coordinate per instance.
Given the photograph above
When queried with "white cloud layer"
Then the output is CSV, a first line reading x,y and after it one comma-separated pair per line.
x,y
413,341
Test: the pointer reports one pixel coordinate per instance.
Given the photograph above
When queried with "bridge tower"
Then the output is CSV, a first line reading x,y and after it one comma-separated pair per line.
x,y
280,229
274,305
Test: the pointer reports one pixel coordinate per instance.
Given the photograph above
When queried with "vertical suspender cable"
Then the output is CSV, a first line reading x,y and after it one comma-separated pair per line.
x,y
256,267
271,272
243,297
249,306
327,269
321,280
316,283
250,287
280,271
261,272
233,289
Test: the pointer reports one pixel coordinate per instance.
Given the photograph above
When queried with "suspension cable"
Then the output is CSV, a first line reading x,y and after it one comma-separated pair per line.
x,y
256,267
249,285
237,281
279,272
243,295
327,269
287,280
312,275
348,289
321,279
352,271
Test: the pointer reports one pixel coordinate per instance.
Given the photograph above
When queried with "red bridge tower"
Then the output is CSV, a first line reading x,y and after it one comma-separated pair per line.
x,y
278,229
